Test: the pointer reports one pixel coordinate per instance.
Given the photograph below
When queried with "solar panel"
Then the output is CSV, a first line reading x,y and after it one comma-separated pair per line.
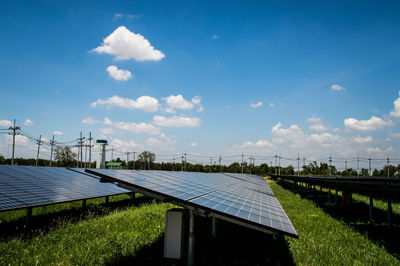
x,y
29,186
241,198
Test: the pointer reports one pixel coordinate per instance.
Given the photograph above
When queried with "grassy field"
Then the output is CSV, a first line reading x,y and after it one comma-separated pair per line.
x,y
126,233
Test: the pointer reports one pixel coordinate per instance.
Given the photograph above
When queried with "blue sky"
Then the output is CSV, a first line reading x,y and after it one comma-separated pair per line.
x,y
218,77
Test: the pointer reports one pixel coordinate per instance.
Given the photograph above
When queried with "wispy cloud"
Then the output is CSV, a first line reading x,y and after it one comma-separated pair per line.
x,y
256,105
336,87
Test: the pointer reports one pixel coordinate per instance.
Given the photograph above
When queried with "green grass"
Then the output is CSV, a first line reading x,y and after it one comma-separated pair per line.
x,y
324,240
125,234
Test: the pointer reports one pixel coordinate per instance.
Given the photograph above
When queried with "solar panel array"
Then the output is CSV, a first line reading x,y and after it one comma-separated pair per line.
x,y
244,198
28,186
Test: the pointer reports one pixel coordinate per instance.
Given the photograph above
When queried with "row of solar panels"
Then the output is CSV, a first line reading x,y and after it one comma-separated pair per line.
x,y
386,187
29,186
241,198
245,199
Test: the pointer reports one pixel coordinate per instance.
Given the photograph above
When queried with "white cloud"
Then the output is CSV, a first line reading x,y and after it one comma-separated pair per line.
x,y
118,74
374,150
176,121
314,119
178,102
145,103
337,88
363,140
271,104
121,145
194,144
6,123
138,127
318,127
395,135
215,37
19,139
162,143
107,121
28,123
256,105
125,45
374,123
396,111
89,120
58,133
264,144
107,131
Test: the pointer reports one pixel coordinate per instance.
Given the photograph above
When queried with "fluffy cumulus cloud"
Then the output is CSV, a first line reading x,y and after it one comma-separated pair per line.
x,y
374,123
89,120
336,87
145,103
176,121
5,123
193,144
118,74
125,45
396,111
178,102
316,124
318,127
57,132
256,105
107,131
161,143
28,123
121,145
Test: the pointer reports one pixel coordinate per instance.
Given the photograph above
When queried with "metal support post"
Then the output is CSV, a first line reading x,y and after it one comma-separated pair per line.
x,y
389,212
107,200
214,226
371,206
84,204
28,215
190,259
336,196
329,196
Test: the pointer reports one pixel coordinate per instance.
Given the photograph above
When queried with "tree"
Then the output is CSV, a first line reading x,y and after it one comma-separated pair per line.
x,y
2,159
147,158
64,156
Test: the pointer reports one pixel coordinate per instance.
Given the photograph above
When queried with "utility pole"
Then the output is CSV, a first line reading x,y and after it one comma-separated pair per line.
x,y
279,168
39,142
86,146
276,164
369,166
220,160
211,163
330,165
80,146
90,149
345,165
112,153
298,164
14,130
388,162
358,166
185,161
173,165
134,160
242,162
52,142
127,159
182,163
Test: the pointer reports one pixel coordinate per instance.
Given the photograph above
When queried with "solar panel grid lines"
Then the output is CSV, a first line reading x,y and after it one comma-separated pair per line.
x,y
30,186
246,199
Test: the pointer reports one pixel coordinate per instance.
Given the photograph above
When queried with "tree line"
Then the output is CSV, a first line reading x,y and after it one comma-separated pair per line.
x,y
64,157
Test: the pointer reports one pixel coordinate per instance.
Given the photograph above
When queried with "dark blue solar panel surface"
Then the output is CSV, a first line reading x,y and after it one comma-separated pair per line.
x,y
28,186
246,198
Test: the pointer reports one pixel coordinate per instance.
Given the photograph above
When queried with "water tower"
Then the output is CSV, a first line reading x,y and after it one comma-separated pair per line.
x,y
101,157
